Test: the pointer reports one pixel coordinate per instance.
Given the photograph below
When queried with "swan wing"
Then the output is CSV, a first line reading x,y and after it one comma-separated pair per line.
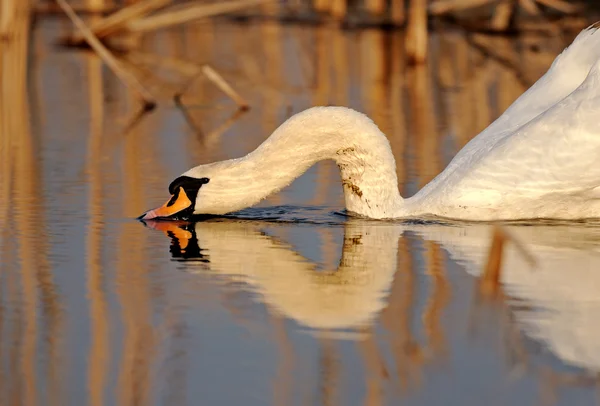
x,y
567,73
557,153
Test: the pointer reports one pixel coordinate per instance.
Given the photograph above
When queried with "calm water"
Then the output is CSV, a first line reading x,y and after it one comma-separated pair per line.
x,y
290,302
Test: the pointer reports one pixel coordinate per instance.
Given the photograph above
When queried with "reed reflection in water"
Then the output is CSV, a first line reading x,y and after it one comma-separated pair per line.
x,y
95,309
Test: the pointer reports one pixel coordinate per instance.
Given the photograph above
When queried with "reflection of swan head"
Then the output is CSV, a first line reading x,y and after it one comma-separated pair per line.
x,y
347,297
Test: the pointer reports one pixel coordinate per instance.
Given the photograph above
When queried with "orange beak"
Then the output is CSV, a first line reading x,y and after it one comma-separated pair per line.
x,y
178,202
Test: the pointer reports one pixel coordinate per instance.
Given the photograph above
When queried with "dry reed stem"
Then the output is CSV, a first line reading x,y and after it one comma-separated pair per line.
x,y
189,13
53,8
560,5
339,9
502,14
322,6
118,20
397,11
225,87
493,54
192,69
11,16
95,4
107,57
416,35
376,7
213,136
446,6
530,7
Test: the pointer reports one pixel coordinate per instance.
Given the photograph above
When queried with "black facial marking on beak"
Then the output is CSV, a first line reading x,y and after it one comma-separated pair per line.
x,y
174,198
191,186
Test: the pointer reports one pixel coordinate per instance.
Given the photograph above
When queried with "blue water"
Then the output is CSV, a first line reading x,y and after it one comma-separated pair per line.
x,y
290,302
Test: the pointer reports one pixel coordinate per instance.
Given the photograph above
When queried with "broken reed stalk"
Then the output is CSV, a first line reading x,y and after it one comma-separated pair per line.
x,y
107,57
218,80
416,32
118,20
192,70
188,13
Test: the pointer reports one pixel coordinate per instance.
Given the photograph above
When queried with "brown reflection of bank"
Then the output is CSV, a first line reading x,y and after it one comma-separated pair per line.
x,y
139,342
33,349
99,318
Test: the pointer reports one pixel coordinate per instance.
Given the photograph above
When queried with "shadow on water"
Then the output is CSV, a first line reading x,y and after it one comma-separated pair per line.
x,y
291,302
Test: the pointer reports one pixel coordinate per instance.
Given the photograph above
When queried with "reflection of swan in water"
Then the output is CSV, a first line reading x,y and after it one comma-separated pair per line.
x,y
349,297
565,283
563,290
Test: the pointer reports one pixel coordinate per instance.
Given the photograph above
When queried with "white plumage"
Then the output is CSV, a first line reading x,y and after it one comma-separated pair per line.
x,y
537,160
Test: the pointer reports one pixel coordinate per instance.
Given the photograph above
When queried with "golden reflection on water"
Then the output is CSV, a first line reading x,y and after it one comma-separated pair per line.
x,y
22,215
100,327
397,294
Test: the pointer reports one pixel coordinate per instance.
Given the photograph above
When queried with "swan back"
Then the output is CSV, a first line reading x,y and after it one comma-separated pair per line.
x,y
566,73
524,175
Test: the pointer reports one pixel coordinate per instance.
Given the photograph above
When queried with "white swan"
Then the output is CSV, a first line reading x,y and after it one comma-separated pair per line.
x,y
538,160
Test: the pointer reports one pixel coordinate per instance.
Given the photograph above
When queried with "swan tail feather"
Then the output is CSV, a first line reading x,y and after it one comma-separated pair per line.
x,y
583,52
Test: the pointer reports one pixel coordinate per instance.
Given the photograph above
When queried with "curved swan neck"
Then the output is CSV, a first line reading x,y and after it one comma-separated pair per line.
x,y
351,139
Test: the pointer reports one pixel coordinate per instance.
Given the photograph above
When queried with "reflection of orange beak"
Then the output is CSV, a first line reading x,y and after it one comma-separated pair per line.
x,y
172,229
178,202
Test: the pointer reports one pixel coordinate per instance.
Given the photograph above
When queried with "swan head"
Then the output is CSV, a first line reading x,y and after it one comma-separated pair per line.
x,y
212,189
182,204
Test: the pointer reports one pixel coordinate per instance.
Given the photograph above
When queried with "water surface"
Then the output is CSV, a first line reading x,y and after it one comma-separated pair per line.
x,y
290,302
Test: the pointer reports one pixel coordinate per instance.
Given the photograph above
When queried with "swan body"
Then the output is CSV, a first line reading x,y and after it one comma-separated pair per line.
x,y
537,160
